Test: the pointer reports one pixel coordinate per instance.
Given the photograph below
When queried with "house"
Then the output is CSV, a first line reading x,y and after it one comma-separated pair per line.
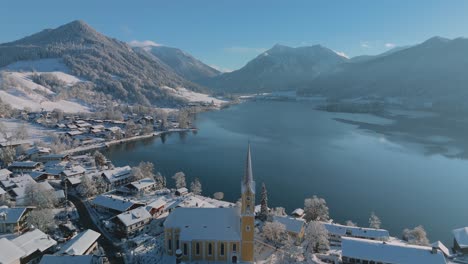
x,y
118,176
156,207
113,204
35,152
142,186
132,222
13,220
24,166
82,244
357,250
38,175
19,193
337,231
52,157
18,181
298,213
215,234
17,143
9,252
460,240
74,171
34,244
294,226
181,191
84,259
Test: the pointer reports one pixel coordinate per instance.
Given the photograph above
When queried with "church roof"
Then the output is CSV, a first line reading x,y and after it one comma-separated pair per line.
x,y
248,182
206,223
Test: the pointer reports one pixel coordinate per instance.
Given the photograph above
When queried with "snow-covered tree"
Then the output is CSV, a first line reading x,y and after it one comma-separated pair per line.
x,y
264,204
218,195
278,211
196,186
35,196
42,219
21,132
179,179
416,236
183,119
99,159
160,181
316,209
274,232
87,188
7,155
350,223
316,237
374,221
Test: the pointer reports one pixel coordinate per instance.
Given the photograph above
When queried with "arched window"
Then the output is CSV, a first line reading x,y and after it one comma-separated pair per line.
x,y
169,244
222,249
185,249
210,249
177,244
234,247
197,248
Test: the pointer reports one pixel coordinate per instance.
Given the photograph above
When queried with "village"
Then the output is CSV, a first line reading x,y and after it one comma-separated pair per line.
x,y
75,206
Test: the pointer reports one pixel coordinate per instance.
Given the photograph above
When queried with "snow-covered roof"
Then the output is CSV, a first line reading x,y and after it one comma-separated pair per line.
x,y
298,212
205,223
117,174
11,215
442,248
36,174
158,203
354,231
386,252
25,164
2,192
80,243
36,149
75,170
182,190
113,202
9,252
74,180
194,201
292,224
60,194
134,216
18,181
33,241
143,183
4,173
51,259
461,236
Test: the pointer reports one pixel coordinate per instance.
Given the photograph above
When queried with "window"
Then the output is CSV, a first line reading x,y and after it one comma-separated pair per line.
x,y
185,249
247,228
210,249
234,247
177,244
197,248
222,249
169,244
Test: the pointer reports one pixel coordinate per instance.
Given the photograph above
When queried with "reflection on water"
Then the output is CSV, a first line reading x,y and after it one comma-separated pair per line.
x,y
401,167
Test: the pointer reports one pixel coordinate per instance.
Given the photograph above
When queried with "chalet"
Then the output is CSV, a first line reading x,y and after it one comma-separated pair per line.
x,y
118,176
132,222
54,172
181,191
9,252
84,259
142,186
39,175
298,213
17,143
34,244
84,243
13,220
18,181
295,227
357,250
36,151
460,240
336,232
24,166
74,171
113,204
156,207
52,157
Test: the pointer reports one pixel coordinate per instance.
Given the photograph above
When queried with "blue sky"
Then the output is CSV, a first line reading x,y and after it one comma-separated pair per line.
x,y
227,34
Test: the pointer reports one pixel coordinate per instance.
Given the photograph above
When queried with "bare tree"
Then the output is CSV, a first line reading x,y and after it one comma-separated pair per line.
x,y
196,186
87,188
416,236
374,221
218,195
316,237
316,209
274,232
179,179
42,219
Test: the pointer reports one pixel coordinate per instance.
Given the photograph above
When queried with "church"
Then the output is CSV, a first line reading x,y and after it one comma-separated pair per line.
x,y
215,234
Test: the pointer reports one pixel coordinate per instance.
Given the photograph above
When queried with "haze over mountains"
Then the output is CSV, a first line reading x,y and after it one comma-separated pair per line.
x,y
435,70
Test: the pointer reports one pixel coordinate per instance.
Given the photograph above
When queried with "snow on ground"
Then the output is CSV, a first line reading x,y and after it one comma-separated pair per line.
x,y
26,93
35,132
192,96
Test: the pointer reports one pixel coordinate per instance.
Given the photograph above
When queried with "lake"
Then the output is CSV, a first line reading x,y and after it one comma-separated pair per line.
x,y
399,166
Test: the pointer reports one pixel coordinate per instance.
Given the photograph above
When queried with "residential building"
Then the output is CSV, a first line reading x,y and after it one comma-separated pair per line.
x,y
13,220
132,222
142,186
337,231
114,204
9,252
118,176
294,226
84,243
34,244
460,240
25,166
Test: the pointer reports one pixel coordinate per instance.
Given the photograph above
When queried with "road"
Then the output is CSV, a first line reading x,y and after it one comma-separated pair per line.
x,y
87,222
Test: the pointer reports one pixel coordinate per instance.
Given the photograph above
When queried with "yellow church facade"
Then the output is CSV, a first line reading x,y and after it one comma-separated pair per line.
x,y
215,234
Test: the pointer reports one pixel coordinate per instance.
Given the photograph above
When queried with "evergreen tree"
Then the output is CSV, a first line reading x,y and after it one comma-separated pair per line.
x,y
264,204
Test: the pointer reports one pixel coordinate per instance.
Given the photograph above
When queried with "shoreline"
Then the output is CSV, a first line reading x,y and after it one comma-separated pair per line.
x,y
92,147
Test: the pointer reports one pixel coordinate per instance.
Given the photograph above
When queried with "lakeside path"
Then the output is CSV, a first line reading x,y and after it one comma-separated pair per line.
x,y
114,142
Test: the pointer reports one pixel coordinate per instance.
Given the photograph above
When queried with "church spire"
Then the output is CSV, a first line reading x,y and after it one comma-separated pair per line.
x,y
248,182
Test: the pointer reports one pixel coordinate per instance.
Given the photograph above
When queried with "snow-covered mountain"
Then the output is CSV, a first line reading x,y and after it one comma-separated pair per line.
x,y
180,62
435,70
279,68
105,65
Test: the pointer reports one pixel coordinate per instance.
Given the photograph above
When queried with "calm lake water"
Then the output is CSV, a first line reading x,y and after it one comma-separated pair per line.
x,y
358,163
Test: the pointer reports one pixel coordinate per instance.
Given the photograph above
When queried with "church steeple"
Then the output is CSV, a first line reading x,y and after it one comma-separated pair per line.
x,y
248,183
248,212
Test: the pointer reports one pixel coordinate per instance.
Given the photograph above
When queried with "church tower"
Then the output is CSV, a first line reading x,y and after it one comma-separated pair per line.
x,y
248,212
